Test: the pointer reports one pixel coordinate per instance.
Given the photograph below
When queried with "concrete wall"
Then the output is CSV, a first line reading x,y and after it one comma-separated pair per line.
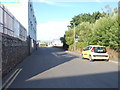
x,y
31,45
13,52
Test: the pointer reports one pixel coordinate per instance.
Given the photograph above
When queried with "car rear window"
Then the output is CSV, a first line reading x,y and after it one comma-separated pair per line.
x,y
100,49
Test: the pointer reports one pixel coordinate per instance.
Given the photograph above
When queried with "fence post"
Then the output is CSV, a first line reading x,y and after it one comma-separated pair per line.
x,y
13,26
3,19
29,45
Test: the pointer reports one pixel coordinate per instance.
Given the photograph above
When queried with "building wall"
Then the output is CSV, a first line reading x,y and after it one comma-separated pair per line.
x,y
57,43
31,45
31,27
31,21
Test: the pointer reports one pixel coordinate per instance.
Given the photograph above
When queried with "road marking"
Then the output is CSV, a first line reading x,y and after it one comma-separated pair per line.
x,y
9,78
12,79
116,62
55,55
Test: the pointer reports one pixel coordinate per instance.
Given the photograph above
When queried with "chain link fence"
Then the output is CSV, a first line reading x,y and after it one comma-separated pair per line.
x,y
10,26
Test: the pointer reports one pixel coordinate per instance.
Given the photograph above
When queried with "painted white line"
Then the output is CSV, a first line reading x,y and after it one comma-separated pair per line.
x,y
113,61
13,79
56,55
9,78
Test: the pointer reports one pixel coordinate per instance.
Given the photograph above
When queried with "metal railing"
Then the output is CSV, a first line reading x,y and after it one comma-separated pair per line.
x,y
10,25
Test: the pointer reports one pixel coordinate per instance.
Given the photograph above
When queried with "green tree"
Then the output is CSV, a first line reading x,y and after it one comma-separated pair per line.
x,y
69,37
86,17
96,28
106,32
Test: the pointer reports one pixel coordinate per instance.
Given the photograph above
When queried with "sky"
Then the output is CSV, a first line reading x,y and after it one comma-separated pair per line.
x,y
53,16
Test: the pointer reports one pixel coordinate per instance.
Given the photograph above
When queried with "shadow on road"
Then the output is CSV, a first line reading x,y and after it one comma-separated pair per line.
x,y
41,60
98,80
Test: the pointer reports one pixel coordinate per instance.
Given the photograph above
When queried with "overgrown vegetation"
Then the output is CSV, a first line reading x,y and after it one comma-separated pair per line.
x,y
97,28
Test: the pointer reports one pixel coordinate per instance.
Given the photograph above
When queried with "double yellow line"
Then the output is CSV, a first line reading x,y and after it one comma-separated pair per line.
x,y
10,80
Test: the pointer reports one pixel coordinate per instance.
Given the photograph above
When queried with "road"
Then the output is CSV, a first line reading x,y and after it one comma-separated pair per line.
x,y
54,68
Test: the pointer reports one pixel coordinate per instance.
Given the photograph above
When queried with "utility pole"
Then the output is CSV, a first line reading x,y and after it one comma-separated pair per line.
x,y
74,38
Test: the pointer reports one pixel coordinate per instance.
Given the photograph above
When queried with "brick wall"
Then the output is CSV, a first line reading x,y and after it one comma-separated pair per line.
x,y
13,52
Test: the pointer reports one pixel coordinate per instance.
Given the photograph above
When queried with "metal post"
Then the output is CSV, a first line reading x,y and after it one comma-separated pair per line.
x,y
3,19
29,45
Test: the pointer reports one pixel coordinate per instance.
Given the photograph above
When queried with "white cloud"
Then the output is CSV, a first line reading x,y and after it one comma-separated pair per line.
x,y
51,30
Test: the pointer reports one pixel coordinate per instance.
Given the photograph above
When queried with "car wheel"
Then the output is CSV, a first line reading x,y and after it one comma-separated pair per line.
x,y
90,58
82,56
107,60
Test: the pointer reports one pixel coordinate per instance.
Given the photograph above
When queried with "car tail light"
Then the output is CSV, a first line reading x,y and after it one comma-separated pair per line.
x,y
106,51
106,55
92,49
94,55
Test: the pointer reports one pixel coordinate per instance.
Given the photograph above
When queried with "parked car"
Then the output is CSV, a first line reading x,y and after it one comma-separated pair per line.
x,y
95,52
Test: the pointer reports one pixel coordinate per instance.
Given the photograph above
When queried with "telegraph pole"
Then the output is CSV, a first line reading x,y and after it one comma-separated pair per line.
x,y
74,38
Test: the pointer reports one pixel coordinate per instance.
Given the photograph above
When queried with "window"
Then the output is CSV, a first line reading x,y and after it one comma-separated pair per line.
x,y
31,9
100,49
88,48
30,5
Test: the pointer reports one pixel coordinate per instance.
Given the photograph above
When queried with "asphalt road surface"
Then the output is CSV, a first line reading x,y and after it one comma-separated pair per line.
x,y
54,68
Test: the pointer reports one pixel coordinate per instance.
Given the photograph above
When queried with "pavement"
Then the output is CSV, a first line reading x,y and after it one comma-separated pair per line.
x,y
55,68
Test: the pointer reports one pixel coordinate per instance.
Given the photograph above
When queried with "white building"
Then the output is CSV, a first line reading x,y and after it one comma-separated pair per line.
x,y
31,21
57,43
